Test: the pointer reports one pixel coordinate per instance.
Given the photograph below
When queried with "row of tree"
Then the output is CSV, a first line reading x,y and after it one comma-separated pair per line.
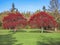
x,y
54,10
41,20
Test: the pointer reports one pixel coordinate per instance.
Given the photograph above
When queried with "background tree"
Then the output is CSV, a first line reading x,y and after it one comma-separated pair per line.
x,y
54,8
27,14
37,11
0,24
44,8
13,8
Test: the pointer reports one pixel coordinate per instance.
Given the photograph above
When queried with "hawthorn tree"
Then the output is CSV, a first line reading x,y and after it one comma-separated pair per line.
x,y
14,20
42,20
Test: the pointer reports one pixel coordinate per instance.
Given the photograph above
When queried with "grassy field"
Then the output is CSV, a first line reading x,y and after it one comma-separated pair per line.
x,y
8,37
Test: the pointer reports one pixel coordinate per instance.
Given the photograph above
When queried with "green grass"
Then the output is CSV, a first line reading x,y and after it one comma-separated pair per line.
x,y
27,38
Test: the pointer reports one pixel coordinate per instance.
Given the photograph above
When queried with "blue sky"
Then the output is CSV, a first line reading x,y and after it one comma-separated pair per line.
x,y
23,5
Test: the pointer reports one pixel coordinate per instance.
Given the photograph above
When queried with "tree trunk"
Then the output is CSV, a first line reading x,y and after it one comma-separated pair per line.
x,y
42,29
55,29
15,30
9,29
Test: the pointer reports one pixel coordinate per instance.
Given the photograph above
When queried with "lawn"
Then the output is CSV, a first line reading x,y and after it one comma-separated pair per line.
x,y
8,37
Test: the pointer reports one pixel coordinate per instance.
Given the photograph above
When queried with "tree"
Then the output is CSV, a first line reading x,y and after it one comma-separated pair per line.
x,y
14,21
0,23
37,11
54,5
42,20
44,8
54,8
13,8
27,14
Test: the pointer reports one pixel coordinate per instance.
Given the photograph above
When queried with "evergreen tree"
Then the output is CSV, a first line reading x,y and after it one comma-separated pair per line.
x,y
13,8
54,5
54,8
44,8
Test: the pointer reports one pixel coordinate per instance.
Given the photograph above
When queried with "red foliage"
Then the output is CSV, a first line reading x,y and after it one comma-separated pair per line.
x,y
14,20
42,19
38,20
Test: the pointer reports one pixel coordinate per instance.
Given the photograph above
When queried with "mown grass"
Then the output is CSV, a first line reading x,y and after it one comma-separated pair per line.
x,y
8,37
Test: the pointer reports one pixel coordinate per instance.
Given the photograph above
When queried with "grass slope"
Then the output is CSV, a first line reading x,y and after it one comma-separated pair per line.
x,y
28,38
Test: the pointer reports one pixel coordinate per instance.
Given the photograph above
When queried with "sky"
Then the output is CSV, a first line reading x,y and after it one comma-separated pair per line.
x,y
23,5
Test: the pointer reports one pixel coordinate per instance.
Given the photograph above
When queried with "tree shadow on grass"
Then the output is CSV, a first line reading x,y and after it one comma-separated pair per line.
x,y
20,44
18,31
7,39
49,41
